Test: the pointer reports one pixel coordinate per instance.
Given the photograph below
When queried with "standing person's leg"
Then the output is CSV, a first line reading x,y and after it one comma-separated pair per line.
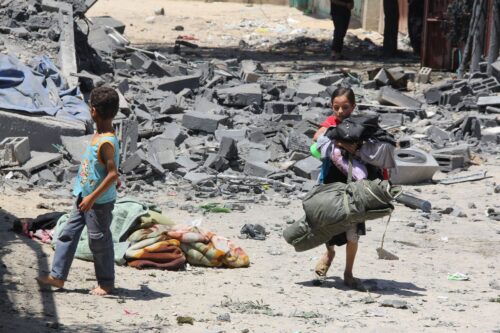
x,y
341,17
391,21
66,245
351,250
98,221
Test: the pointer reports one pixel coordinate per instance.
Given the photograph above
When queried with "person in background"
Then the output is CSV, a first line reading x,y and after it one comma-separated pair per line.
x,y
391,28
341,16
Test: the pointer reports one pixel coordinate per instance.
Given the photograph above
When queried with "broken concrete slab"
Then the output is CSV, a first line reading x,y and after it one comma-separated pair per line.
x,y
216,162
178,83
204,122
127,131
308,168
390,96
228,149
247,71
259,155
186,162
309,89
76,145
37,161
42,131
67,51
242,95
174,133
197,177
235,134
109,22
259,169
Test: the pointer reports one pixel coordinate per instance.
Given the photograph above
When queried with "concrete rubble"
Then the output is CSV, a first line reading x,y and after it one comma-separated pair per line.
x,y
223,127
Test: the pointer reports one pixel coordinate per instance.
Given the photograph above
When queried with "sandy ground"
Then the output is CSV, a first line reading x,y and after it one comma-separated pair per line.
x,y
275,294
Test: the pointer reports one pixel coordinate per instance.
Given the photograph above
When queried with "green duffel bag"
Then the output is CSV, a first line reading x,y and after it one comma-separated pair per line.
x,y
332,209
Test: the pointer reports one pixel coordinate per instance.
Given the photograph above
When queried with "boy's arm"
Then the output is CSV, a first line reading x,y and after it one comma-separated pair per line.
x,y
107,155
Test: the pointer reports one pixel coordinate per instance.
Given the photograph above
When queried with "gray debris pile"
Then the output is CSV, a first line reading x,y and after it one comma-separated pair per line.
x,y
227,127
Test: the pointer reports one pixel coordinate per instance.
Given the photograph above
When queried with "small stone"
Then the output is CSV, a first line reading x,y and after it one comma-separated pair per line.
x,y
471,205
224,317
394,303
497,189
160,11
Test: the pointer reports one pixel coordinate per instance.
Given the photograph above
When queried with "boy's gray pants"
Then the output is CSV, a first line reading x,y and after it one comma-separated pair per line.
x,y
97,220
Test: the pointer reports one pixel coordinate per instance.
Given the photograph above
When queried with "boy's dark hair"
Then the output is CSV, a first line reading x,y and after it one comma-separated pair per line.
x,y
343,91
106,102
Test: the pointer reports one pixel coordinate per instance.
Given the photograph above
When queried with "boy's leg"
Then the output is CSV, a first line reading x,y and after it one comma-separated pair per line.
x,y
66,245
98,221
351,250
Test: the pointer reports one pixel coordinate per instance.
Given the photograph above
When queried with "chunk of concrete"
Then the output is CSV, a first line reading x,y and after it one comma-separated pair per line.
x,y
127,131
76,145
235,134
309,89
175,133
390,96
279,107
197,177
243,95
228,149
178,83
167,159
309,168
259,169
413,166
67,51
449,162
259,155
186,162
16,151
109,22
488,100
43,131
424,75
199,121
216,162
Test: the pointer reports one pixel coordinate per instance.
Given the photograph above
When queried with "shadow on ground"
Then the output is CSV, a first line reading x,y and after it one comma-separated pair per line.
x,y
375,286
18,317
310,54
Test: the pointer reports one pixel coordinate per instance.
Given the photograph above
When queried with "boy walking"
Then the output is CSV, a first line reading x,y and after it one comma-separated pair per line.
x,y
95,193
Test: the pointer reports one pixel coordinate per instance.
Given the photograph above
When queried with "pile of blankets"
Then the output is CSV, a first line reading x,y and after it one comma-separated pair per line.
x,y
143,237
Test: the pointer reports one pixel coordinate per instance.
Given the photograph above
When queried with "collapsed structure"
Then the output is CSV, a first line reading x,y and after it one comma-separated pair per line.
x,y
222,127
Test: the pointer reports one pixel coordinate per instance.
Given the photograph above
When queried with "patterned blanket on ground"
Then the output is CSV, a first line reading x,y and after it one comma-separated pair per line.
x,y
200,247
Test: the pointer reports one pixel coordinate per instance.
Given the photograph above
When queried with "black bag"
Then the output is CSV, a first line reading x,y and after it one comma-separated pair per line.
x,y
356,128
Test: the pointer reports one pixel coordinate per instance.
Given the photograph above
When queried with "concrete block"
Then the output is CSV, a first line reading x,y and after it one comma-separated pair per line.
x,y
216,162
460,150
413,166
424,75
309,168
42,131
491,135
138,59
243,95
178,83
397,77
390,96
437,135
46,175
247,71
199,121
186,162
259,155
488,101
258,169
371,84
325,79
449,162
169,104
228,149
197,177
202,104
174,132
279,107
67,51
133,161
309,89
160,143
495,69
388,120
16,151
76,145
235,134
433,95
127,132
484,85
167,159
257,136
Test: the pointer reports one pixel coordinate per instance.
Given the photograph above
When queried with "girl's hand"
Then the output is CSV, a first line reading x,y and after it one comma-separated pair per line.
x,y
86,204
